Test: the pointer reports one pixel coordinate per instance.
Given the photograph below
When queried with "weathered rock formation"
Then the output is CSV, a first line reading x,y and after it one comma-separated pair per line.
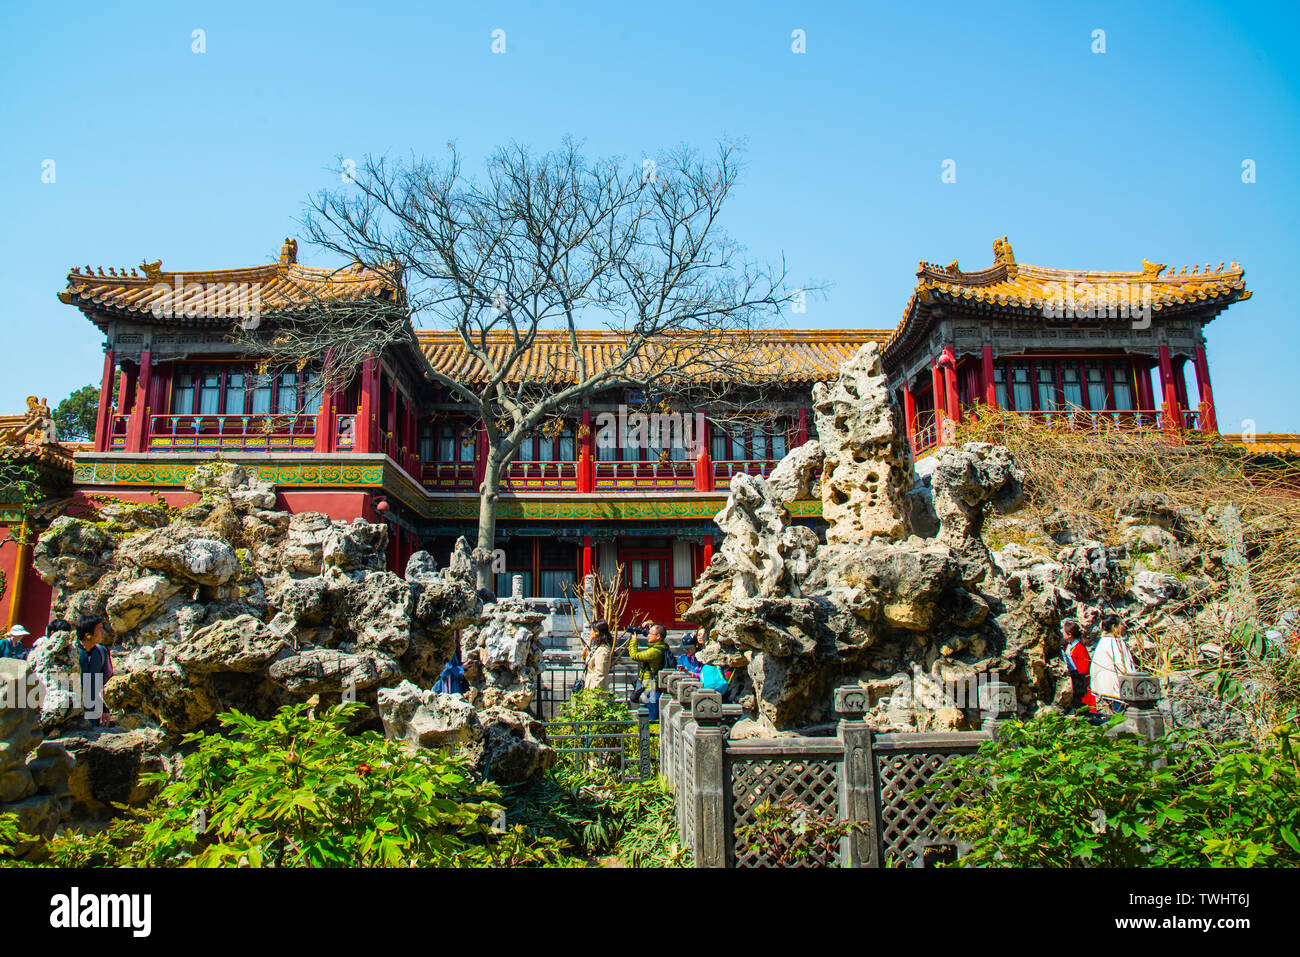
x,y
502,655
506,745
233,603
905,595
872,602
33,771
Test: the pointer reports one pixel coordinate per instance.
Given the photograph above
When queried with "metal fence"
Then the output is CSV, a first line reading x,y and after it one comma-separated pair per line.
x,y
856,775
627,748
554,687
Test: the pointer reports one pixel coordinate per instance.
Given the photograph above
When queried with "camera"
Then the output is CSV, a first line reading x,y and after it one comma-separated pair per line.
x,y
641,631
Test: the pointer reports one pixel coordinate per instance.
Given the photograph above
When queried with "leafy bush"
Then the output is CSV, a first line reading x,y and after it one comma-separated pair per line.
x,y
790,833
1060,792
300,791
601,719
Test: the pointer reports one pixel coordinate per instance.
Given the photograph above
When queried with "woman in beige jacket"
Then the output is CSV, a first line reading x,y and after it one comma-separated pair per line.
x,y
599,657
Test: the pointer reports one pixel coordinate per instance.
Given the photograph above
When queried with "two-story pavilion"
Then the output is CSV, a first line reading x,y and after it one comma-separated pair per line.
x,y
1052,342
392,445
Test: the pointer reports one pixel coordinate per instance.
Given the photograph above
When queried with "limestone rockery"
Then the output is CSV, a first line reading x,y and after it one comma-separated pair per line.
x,y
903,595
233,603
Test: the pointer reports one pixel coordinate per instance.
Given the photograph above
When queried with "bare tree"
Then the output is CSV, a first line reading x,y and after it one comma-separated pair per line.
x,y
543,246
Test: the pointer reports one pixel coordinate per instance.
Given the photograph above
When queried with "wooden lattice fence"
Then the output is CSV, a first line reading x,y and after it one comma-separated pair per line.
x,y
856,775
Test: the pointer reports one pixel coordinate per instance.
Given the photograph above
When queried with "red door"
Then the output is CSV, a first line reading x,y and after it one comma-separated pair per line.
x,y
649,582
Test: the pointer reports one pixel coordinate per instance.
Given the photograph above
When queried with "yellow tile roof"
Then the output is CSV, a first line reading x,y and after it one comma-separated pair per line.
x,y
278,286
1014,286
794,356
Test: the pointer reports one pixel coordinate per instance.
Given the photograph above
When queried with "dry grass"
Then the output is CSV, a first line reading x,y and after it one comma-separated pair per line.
x,y
1094,476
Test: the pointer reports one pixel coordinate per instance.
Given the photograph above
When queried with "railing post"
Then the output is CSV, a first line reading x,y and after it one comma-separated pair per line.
x,y
710,839
857,800
681,722
1140,692
667,708
643,741
997,702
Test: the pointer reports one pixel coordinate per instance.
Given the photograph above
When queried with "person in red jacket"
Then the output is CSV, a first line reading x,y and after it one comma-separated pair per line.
x,y
1078,662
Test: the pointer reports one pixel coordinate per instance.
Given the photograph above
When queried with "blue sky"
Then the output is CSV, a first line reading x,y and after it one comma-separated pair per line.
x,y
1084,160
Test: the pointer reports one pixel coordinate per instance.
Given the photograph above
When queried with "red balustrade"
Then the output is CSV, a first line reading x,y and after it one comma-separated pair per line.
x,y
541,477
724,469
645,476
240,433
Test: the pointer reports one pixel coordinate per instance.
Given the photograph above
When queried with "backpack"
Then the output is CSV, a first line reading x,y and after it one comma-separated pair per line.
x,y
670,659
712,678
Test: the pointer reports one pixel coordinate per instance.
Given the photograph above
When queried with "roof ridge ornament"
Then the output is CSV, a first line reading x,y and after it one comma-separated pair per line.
x,y
152,270
289,252
1002,251
1152,270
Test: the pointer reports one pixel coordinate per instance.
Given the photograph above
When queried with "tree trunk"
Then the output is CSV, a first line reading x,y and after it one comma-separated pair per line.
x,y
487,523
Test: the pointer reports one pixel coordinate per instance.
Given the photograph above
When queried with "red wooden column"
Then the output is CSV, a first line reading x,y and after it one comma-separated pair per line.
x,y
990,388
936,384
1209,421
909,413
103,424
703,462
801,428
586,471
949,363
586,556
1146,402
137,434
390,422
1173,416
363,429
706,553
326,428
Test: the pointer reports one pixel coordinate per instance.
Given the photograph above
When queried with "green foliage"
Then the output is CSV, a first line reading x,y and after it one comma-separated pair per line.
x,y
10,836
1060,792
604,718
595,813
649,838
1264,674
297,791
75,416
790,833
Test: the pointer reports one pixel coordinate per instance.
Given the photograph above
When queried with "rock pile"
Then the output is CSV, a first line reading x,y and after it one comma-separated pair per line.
x,y
33,771
503,655
507,745
903,595
233,603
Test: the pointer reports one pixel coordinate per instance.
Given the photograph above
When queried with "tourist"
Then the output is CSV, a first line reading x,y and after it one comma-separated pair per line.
x,y
691,645
1078,662
651,661
57,627
11,646
96,667
1111,659
599,657
452,679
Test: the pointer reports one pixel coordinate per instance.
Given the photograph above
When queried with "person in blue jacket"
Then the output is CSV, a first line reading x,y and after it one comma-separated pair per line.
x,y
691,645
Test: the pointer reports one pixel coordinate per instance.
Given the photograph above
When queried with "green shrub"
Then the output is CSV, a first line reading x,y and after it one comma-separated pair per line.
x,y
602,714
789,833
300,791
1060,792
